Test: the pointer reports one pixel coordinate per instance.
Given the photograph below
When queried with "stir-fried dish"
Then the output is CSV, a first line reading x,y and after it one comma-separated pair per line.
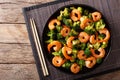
x,y
77,38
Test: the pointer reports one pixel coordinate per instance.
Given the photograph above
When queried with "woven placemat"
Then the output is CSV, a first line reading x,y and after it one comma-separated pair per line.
x,y
42,12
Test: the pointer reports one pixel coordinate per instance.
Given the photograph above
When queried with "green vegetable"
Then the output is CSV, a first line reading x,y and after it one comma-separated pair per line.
x,y
67,22
49,41
101,36
73,33
100,24
58,28
71,8
59,36
58,53
96,45
82,46
66,65
51,34
87,52
104,44
62,41
75,42
74,51
99,60
90,29
64,14
89,45
80,9
90,15
81,63
76,25
86,12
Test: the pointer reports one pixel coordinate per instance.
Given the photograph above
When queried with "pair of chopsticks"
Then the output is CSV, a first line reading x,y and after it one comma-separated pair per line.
x,y
39,49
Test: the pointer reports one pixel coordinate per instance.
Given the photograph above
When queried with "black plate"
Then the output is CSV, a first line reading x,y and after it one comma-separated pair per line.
x,y
44,37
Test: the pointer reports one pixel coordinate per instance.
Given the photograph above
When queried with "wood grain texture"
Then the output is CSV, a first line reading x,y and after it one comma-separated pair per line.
x,y
13,33
16,54
11,10
18,72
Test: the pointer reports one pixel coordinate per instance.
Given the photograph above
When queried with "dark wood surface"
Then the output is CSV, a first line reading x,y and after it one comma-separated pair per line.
x,y
16,58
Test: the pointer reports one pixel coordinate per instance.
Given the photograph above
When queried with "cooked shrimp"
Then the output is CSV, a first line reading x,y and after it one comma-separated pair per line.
x,y
55,44
83,37
81,55
96,16
107,34
57,61
75,68
69,41
85,23
52,23
65,31
100,55
66,51
75,15
93,40
90,62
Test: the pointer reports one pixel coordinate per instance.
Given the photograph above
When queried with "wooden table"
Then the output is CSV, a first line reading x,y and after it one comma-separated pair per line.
x,y
16,58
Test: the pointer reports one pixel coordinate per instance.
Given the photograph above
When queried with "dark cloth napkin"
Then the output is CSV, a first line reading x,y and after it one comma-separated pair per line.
x,y
109,8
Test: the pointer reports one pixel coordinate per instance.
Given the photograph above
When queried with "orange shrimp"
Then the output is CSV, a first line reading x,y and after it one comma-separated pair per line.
x,y
93,40
69,41
66,51
90,62
55,44
58,61
52,23
106,32
96,16
81,55
83,37
85,23
100,55
75,68
65,31
75,15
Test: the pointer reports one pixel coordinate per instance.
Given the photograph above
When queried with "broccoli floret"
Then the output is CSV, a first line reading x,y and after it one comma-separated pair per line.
x,y
74,51
49,41
75,42
62,41
82,46
71,8
64,14
104,44
89,45
99,60
58,53
96,46
87,52
59,36
58,28
99,24
90,15
101,36
76,25
67,22
66,65
51,34
86,12
90,29
80,9
73,33
81,63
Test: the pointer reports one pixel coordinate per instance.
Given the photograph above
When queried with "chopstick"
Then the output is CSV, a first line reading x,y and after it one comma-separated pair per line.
x,y
39,49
